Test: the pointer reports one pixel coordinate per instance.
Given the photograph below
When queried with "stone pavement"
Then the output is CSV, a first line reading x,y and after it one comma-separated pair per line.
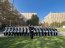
x,y
61,33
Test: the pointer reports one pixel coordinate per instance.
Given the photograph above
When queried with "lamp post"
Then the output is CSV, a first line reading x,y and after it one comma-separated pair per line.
x,y
12,10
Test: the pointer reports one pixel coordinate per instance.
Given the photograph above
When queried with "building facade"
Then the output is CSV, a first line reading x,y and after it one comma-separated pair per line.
x,y
28,16
54,17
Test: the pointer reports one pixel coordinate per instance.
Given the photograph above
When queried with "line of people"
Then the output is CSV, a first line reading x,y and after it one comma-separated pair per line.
x,y
25,31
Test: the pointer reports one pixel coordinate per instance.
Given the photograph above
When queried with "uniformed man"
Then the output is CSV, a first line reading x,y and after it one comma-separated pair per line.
x,y
31,28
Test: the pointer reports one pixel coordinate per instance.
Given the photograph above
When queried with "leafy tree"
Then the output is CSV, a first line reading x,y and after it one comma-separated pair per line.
x,y
33,21
63,23
28,22
8,16
55,24
46,24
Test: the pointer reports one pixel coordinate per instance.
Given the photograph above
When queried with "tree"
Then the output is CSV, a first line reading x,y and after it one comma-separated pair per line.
x,y
8,16
55,24
28,22
33,21
63,23
46,24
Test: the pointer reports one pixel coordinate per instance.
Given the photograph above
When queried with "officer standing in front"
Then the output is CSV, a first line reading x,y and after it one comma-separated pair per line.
x,y
31,28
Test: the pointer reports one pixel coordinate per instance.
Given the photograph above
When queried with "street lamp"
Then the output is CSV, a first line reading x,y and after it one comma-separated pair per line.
x,y
12,9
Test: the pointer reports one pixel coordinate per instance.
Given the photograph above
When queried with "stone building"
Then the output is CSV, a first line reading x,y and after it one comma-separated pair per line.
x,y
54,17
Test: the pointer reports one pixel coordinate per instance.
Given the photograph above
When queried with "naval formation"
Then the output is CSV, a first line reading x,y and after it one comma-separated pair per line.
x,y
30,31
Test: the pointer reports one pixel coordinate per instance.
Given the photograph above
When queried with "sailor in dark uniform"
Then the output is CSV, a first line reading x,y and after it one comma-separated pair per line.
x,y
31,28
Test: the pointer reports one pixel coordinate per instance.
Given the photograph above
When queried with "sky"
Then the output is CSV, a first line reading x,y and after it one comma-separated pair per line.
x,y
41,7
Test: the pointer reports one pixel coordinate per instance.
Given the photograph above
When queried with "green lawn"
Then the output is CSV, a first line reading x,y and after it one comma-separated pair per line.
x,y
37,42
